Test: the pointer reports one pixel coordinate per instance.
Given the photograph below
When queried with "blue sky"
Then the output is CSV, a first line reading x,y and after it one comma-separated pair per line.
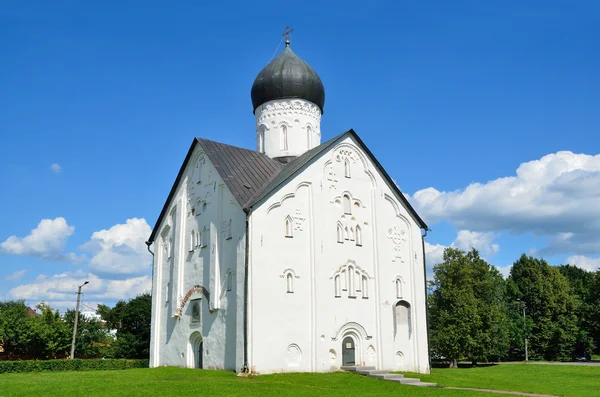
x,y
485,114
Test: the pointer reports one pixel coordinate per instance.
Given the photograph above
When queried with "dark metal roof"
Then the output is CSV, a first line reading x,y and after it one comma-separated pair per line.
x,y
244,171
292,168
288,76
252,176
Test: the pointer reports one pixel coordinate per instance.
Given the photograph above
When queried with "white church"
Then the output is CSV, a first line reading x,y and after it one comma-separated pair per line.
x,y
299,256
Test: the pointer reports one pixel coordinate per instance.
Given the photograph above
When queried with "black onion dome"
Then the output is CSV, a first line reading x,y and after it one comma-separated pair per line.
x,y
288,76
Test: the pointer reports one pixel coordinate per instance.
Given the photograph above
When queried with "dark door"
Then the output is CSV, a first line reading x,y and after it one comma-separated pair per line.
x,y
200,355
348,357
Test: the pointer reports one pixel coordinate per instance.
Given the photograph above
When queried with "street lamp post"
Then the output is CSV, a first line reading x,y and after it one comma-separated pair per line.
x,y
76,318
524,329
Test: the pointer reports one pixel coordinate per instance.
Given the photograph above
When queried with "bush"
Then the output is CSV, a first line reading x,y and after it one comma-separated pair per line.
x,y
70,365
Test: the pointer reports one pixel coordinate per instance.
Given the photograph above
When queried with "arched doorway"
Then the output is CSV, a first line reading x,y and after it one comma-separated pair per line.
x,y
196,350
348,352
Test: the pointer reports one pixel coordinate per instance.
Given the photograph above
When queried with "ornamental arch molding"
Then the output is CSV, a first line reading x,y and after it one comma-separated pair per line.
x,y
350,327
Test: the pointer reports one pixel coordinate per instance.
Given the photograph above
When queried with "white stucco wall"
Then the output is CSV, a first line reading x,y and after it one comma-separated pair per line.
x,y
287,127
303,330
199,254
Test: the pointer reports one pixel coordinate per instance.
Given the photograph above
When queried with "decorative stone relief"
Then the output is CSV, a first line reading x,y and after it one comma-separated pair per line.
x,y
270,109
294,355
298,220
398,238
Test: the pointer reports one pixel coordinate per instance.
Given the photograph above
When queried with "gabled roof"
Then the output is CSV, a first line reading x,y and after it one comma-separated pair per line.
x,y
293,167
245,172
251,176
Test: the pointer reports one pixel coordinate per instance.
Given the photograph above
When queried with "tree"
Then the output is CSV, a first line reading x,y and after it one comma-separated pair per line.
x,y
467,309
17,328
550,308
132,321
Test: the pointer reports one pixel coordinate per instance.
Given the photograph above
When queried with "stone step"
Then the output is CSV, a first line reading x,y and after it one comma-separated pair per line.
x,y
424,384
407,381
354,369
387,375
371,372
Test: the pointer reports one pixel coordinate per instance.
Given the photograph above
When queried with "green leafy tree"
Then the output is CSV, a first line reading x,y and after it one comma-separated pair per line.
x,y
17,328
132,321
550,308
467,309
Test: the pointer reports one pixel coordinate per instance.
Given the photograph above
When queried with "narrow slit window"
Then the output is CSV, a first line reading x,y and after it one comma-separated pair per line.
x,y
192,242
351,284
169,248
289,224
398,288
308,134
345,281
336,282
358,236
365,292
284,137
347,205
261,141
347,168
229,230
351,233
340,233
229,281
290,283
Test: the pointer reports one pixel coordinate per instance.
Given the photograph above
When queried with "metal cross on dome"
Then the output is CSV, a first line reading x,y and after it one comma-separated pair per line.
x,y
287,34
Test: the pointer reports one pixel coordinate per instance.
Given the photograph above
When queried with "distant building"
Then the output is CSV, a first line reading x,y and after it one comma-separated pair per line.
x,y
298,256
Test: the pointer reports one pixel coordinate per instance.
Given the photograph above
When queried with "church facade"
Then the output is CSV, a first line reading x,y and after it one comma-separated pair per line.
x,y
299,256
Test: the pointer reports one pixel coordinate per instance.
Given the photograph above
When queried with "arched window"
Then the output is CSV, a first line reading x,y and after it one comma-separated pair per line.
x,y
284,137
308,136
351,291
351,233
344,280
197,240
338,290
290,283
358,282
402,314
228,235
347,233
169,248
358,236
289,224
399,288
340,233
347,168
261,141
365,293
192,243
347,204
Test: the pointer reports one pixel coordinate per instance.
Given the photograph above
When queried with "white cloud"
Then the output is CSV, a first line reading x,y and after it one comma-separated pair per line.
x,y
483,242
584,262
60,290
556,196
121,250
46,241
465,240
55,168
16,276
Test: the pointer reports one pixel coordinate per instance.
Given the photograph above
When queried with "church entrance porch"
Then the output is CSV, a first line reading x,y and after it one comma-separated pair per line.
x,y
348,352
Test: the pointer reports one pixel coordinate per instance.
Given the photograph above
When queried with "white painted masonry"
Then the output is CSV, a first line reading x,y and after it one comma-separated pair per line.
x,y
199,254
287,127
345,288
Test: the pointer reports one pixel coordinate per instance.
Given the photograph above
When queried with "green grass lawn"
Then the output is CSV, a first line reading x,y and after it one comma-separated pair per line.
x,y
189,382
559,380
571,381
